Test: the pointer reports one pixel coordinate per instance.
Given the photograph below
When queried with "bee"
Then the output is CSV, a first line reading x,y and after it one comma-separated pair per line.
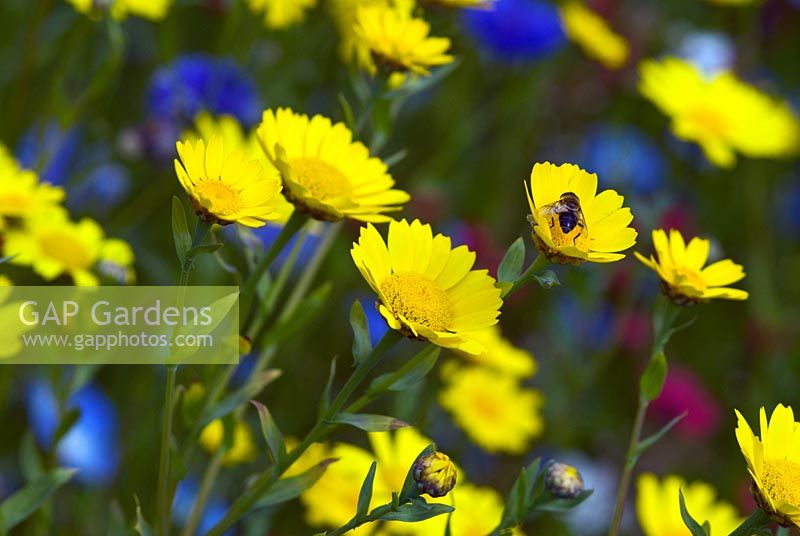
x,y
567,224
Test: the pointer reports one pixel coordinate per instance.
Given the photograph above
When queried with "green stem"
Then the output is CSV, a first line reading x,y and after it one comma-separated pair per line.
x,y
356,522
538,264
630,463
758,519
243,504
296,221
203,493
163,472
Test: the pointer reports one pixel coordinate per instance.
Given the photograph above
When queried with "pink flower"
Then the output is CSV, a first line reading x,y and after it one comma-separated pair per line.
x,y
683,391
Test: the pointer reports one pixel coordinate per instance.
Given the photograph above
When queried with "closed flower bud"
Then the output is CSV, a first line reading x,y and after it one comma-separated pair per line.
x,y
435,474
563,481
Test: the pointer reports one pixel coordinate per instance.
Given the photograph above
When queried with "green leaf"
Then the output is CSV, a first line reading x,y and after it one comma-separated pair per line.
x,y
365,494
180,230
347,110
652,382
142,527
362,343
271,432
416,511
369,423
410,485
410,374
240,396
693,526
547,279
290,488
19,506
556,505
325,399
511,266
64,426
203,249
30,460
524,492
649,441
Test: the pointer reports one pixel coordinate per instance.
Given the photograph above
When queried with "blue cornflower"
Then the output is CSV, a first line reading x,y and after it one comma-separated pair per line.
x,y
185,496
711,52
50,151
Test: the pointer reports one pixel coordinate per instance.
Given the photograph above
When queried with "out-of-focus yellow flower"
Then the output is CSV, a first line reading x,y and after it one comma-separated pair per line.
x,y
435,474
53,245
501,355
591,32
120,9
21,194
5,281
398,42
279,14
426,289
227,188
242,450
116,261
493,410
680,267
658,506
344,14
571,222
773,461
228,128
325,173
720,113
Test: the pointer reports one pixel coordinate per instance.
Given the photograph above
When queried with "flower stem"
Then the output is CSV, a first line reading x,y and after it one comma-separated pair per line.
x,y
630,463
758,519
243,504
538,264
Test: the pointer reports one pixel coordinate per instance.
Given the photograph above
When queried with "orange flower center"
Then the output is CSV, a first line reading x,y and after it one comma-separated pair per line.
x,y
418,299
320,178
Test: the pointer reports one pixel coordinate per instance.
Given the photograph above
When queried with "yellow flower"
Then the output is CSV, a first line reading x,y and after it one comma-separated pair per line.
x,y
594,230
680,267
54,246
591,32
501,355
720,113
398,42
21,194
116,261
227,188
325,173
5,281
493,410
207,127
242,450
120,9
425,289
344,14
279,14
773,461
658,507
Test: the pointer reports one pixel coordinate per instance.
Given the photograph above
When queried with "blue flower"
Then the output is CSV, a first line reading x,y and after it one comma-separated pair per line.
x,y
185,496
711,52
101,190
92,444
50,151
199,82
623,157
517,30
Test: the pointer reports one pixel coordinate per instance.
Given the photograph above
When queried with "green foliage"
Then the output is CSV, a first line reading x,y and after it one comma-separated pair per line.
x,y
20,505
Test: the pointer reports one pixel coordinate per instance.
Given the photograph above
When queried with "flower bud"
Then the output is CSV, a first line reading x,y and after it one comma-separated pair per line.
x,y
435,474
563,481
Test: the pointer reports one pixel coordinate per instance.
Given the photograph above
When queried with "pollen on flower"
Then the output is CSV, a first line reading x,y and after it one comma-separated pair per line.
x,y
780,479
218,196
418,299
322,179
65,249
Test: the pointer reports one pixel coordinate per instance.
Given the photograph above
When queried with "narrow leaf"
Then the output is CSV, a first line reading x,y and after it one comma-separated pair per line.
x,y
365,494
272,434
369,423
410,485
142,527
325,399
180,230
362,344
290,488
411,373
203,249
413,512
511,266
649,441
240,396
556,505
19,506
654,376
66,423
693,526
289,325
547,279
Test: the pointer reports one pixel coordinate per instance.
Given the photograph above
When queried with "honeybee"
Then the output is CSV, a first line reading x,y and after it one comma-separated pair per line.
x,y
567,224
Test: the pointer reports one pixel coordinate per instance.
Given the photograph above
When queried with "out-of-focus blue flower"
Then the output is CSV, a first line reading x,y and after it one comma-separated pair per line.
x,y
788,203
50,151
197,82
517,30
590,327
592,516
101,190
624,158
712,52
92,444
185,495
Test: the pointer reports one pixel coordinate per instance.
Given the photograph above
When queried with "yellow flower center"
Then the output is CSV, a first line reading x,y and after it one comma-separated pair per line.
x,y
320,178
711,120
418,299
688,277
65,249
780,480
218,197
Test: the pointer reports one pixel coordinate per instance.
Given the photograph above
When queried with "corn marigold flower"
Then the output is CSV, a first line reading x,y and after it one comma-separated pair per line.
x,y
591,32
571,222
225,189
344,14
426,289
21,194
325,173
562,480
279,14
658,506
773,461
493,409
398,42
680,267
242,449
120,9
435,474
720,113
501,355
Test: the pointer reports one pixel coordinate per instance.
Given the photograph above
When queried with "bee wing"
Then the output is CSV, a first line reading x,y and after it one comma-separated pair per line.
x,y
553,208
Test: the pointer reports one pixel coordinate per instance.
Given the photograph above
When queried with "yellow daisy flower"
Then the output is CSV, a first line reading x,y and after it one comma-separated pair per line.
x,y
501,355
21,194
344,13
720,113
494,411
325,173
680,267
227,188
243,448
773,461
120,9
279,14
571,222
591,32
116,261
425,289
659,512
5,281
398,42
